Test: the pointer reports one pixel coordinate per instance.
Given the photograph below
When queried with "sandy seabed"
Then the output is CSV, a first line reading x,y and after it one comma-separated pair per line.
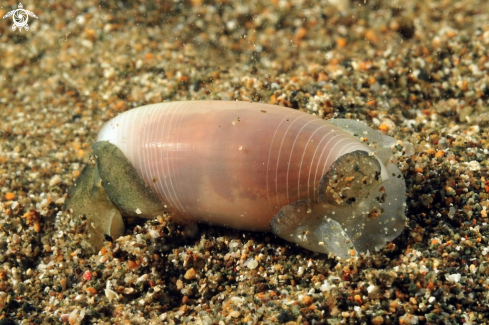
x,y
415,70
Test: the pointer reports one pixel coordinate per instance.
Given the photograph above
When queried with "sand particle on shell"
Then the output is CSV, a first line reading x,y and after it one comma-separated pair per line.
x,y
416,70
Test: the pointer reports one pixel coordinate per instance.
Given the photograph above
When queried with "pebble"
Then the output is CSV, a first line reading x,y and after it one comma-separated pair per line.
x,y
190,274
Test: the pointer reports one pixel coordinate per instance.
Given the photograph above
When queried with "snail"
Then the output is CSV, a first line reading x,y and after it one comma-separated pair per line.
x,y
248,166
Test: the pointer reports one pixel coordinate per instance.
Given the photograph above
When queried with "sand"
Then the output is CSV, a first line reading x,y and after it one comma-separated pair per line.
x,y
415,70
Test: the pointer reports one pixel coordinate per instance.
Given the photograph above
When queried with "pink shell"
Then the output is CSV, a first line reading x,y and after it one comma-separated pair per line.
x,y
234,164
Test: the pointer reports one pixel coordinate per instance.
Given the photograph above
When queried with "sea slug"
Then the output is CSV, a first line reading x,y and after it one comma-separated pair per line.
x,y
247,166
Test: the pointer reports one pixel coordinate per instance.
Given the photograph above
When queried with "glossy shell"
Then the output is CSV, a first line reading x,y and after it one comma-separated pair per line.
x,y
228,163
